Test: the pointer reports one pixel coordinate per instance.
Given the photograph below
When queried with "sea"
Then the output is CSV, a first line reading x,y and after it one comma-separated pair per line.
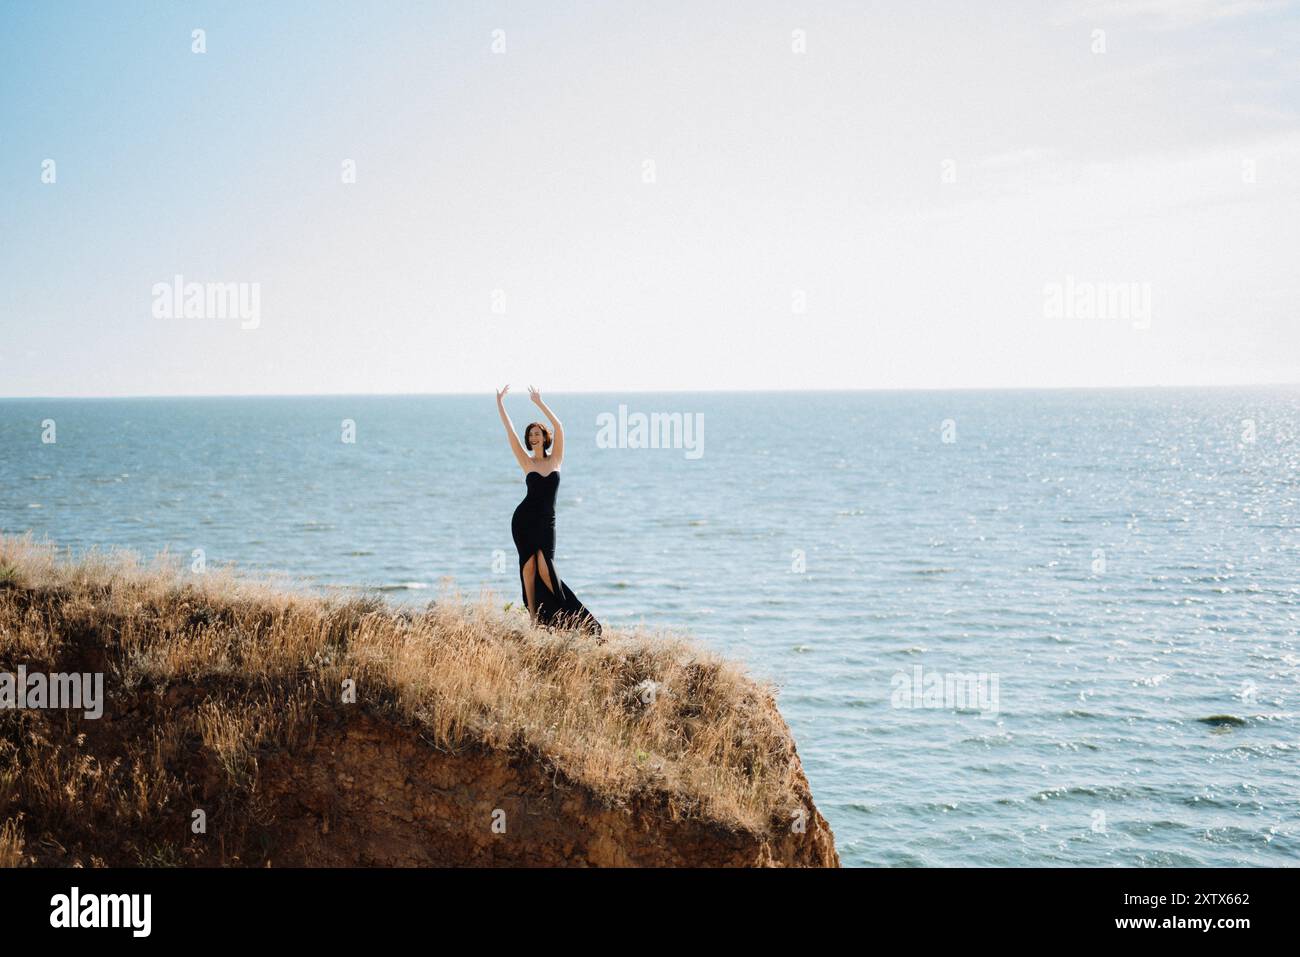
x,y
1006,628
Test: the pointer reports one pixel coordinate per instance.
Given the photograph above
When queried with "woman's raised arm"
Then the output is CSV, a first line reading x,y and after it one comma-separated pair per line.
x,y
520,455
557,444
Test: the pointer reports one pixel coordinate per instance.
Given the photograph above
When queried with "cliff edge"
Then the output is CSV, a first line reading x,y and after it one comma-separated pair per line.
x,y
244,726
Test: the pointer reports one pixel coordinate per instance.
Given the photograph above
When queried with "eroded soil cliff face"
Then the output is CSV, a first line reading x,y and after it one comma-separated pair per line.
x,y
367,794
355,789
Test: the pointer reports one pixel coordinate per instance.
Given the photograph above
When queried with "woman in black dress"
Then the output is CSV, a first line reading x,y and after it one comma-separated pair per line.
x,y
548,599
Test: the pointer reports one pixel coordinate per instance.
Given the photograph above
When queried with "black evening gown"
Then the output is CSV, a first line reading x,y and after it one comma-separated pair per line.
x,y
533,528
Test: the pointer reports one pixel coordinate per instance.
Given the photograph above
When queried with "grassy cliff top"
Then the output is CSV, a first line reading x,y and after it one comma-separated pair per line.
x,y
637,715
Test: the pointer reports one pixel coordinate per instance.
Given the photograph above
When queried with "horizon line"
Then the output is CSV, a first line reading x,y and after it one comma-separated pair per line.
x,y
355,395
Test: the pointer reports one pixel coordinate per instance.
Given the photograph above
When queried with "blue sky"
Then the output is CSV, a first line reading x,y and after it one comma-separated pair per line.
x,y
517,177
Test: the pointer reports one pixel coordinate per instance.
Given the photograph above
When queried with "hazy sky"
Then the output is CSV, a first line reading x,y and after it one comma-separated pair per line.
x,y
886,209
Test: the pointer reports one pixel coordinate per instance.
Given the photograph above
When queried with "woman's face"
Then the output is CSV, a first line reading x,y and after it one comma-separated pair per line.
x,y
535,438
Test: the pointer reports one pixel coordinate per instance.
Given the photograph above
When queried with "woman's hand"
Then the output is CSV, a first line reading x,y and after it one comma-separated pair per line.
x,y
502,392
535,396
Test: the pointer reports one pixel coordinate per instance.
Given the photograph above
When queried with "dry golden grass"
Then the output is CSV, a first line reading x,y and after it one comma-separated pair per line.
x,y
11,843
641,713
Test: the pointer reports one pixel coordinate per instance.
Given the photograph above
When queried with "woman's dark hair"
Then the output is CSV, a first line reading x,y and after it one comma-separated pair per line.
x,y
546,437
